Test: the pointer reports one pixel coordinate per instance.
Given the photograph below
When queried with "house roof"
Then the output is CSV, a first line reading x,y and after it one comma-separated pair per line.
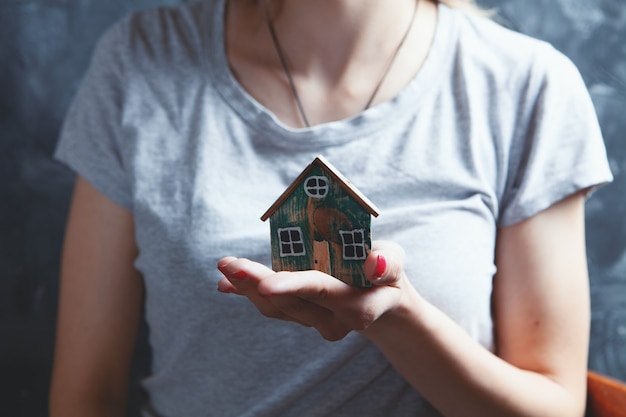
x,y
337,176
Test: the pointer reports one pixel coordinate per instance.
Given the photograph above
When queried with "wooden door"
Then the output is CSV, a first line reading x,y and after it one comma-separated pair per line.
x,y
321,257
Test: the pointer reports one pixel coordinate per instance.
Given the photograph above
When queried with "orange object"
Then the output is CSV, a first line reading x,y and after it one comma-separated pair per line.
x,y
606,397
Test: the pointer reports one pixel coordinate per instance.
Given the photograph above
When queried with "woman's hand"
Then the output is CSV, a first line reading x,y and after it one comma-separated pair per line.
x,y
315,299
540,308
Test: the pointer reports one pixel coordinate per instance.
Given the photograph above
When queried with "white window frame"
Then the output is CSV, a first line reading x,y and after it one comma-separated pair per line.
x,y
352,233
291,243
322,191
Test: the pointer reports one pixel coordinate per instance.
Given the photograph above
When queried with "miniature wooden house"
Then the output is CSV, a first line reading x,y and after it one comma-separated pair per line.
x,y
322,222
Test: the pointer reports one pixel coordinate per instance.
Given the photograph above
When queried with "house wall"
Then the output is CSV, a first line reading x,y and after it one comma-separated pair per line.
x,y
320,220
44,49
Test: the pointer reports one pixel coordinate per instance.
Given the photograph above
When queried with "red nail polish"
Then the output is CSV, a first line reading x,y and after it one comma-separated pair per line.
x,y
381,266
238,275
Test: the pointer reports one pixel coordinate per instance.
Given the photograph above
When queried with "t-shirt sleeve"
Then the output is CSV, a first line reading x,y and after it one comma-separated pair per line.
x,y
558,149
91,137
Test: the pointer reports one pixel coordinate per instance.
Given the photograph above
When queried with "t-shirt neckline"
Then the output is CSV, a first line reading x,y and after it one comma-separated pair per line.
x,y
259,118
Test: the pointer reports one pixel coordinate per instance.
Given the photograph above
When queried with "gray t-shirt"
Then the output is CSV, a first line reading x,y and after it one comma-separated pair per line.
x,y
495,128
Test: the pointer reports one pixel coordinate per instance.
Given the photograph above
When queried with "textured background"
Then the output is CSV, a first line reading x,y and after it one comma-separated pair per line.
x,y
44,50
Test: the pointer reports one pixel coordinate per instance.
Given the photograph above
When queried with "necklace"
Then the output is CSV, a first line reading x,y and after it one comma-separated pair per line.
x,y
292,85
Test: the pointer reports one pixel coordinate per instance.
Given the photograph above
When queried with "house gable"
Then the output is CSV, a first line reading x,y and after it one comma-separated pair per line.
x,y
333,173
333,220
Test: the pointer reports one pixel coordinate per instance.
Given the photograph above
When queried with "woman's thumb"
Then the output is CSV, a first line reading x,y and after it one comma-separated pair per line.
x,y
385,265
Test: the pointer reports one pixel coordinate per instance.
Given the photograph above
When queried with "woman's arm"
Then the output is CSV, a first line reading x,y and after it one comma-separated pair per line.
x,y
99,311
540,304
541,312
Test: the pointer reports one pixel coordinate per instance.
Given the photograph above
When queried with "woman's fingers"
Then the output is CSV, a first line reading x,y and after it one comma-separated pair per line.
x,y
315,299
385,263
242,277
311,315
225,286
242,268
349,308
309,285
284,295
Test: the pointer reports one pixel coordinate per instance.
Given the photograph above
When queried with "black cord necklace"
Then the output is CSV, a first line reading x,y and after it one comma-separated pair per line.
x,y
292,85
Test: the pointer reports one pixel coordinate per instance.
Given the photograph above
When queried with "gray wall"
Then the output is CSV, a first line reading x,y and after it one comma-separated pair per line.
x,y
44,50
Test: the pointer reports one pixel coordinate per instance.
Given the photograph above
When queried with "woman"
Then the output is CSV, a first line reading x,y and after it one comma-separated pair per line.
x,y
478,144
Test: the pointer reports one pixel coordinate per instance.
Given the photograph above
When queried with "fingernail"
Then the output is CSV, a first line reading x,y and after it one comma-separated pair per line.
x,y
234,275
226,290
238,275
381,266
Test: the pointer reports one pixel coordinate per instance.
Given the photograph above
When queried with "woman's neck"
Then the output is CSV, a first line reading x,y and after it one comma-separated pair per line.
x,y
328,35
336,51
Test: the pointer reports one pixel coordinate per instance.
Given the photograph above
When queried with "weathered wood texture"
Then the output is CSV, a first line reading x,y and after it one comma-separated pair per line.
x,y
320,220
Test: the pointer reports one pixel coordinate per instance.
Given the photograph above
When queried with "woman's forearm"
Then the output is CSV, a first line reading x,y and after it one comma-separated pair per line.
x,y
459,376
